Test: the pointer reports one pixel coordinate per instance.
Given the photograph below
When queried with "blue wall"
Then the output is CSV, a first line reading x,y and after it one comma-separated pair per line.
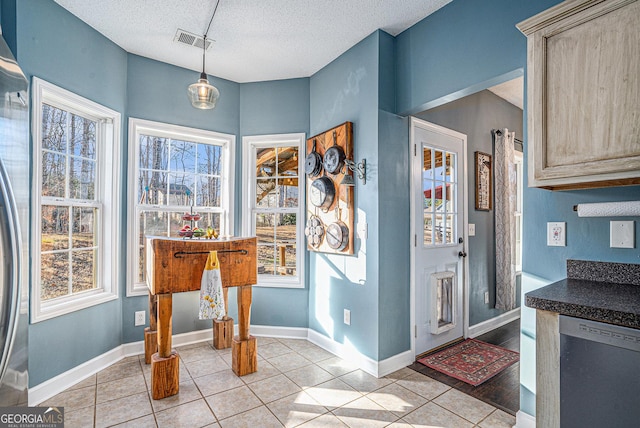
x,y
276,107
347,90
465,47
54,45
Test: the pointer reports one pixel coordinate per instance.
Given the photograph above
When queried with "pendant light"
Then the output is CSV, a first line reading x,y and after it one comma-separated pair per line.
x,y
202,94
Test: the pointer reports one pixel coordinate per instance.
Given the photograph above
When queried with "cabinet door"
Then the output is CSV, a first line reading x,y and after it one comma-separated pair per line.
x,y
584,94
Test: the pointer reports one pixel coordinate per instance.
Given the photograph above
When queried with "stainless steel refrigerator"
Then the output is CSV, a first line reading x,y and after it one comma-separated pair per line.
x,y
14,227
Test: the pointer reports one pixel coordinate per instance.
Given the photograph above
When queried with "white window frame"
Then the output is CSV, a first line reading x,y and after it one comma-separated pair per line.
x,y
518,158
250,144
108,173
139,127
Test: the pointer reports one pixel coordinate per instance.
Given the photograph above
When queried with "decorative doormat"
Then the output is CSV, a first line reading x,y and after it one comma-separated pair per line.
x,y
471,361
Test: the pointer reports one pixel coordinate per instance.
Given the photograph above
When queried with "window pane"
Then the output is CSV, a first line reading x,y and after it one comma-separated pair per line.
x,y
288,192
209,159
265,227
153,152
84,223
183,156
286,242
83,264
54,170
54,275
266,194
450,171
265,162
287,161
266,259
55,228
54,126
449,233
82,179
153,223
83,137
152,187
210,219
181,187
208,191
428,171
428,229
439,229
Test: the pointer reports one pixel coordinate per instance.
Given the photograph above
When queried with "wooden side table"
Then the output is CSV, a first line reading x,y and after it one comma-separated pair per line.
x,y
175,265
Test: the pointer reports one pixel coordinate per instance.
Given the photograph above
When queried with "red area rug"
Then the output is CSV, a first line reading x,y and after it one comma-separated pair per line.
x,y
471,361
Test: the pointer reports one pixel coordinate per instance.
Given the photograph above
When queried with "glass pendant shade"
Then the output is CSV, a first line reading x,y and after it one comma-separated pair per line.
x,y
202,94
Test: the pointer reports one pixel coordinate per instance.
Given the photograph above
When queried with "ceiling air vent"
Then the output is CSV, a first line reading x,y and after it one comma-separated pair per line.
x,y
191,39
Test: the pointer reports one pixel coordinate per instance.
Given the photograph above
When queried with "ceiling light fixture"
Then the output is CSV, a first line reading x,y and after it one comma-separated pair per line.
x,y
202,94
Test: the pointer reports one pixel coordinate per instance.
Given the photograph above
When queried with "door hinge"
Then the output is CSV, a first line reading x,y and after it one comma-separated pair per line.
x,y
415,240
415,331
415,150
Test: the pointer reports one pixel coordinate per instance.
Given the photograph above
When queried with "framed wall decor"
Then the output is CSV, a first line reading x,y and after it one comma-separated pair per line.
x,y
484,184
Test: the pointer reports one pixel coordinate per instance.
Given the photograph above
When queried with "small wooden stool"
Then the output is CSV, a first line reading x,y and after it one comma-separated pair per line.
x,y
223,329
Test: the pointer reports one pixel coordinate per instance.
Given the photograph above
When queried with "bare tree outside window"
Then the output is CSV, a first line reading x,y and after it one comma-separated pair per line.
x,y
68,232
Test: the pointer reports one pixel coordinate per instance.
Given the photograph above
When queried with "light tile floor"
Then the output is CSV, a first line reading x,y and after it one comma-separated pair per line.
x,y
297,384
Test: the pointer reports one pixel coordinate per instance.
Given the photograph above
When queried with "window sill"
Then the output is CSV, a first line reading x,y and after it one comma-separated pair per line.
x,y
279,283
69,305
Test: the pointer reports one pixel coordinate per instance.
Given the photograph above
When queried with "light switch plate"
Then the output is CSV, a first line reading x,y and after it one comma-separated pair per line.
x,y
621,234
472,229
556,234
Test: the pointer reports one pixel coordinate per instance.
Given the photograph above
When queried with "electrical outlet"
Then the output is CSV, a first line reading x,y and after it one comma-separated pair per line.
x,y
486,297
140,318
347,317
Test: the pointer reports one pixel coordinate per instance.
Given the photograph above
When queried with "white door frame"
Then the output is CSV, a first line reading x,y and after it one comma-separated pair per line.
x,y
419,123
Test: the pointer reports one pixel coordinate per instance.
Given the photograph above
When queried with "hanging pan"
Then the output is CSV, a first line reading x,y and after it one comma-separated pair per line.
x,y
334,157
313,163
322,192
314,231
338,234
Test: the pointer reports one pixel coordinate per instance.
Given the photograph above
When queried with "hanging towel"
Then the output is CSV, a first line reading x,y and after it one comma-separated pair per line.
x,y
211,297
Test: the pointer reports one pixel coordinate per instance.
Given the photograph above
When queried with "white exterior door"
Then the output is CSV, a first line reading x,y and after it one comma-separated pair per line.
x,y
439,213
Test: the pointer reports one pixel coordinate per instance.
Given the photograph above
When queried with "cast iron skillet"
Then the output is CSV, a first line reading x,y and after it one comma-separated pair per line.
x,y
313,163
334,157
322,192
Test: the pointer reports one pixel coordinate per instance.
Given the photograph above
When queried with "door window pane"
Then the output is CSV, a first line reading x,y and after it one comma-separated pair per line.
x,y
439,188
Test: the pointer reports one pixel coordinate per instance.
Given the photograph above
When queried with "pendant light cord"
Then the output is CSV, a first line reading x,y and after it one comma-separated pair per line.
x,y
204,39
211,20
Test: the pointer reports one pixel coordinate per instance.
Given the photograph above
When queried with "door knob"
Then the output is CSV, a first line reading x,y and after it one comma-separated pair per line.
x,y
462,254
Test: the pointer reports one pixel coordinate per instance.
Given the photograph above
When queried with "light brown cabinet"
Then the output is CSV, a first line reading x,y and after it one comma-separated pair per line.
x,y
583,86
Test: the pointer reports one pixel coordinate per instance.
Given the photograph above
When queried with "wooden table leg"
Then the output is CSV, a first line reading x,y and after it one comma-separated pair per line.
x,y
244,357
164,364
223,329
150,333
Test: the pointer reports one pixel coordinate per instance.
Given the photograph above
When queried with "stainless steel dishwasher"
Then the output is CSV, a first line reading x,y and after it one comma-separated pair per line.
x,y
599,374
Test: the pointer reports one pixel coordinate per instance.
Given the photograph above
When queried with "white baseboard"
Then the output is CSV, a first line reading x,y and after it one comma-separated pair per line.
x,y
56,385
524,420
493,323
281,332
374,368
63,381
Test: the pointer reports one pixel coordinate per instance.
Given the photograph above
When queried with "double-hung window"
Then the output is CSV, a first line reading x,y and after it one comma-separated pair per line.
x,y
273,206
76,212
175,170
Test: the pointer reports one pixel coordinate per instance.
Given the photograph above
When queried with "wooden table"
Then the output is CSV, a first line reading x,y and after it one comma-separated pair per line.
x,y
175,265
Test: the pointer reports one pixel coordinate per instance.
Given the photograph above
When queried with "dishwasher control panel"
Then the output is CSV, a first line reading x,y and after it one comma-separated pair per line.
x,y
622,337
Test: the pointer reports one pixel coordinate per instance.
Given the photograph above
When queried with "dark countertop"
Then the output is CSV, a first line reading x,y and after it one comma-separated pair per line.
x,y
607,302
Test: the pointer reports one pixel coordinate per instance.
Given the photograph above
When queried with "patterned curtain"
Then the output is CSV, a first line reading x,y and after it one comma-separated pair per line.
x,y
505,226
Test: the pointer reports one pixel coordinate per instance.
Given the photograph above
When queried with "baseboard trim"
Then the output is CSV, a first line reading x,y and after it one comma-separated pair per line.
x,y
63,381
524,420
374,368
56,385
493,323
281,332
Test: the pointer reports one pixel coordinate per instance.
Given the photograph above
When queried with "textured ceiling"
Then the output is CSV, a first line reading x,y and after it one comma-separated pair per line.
x,y
511,91
255,40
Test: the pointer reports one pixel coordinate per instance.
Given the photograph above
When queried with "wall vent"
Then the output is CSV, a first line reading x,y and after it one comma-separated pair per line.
x,y
191,39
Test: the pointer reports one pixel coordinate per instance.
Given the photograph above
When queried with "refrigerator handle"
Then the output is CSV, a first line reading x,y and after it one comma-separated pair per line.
x,y
13,226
